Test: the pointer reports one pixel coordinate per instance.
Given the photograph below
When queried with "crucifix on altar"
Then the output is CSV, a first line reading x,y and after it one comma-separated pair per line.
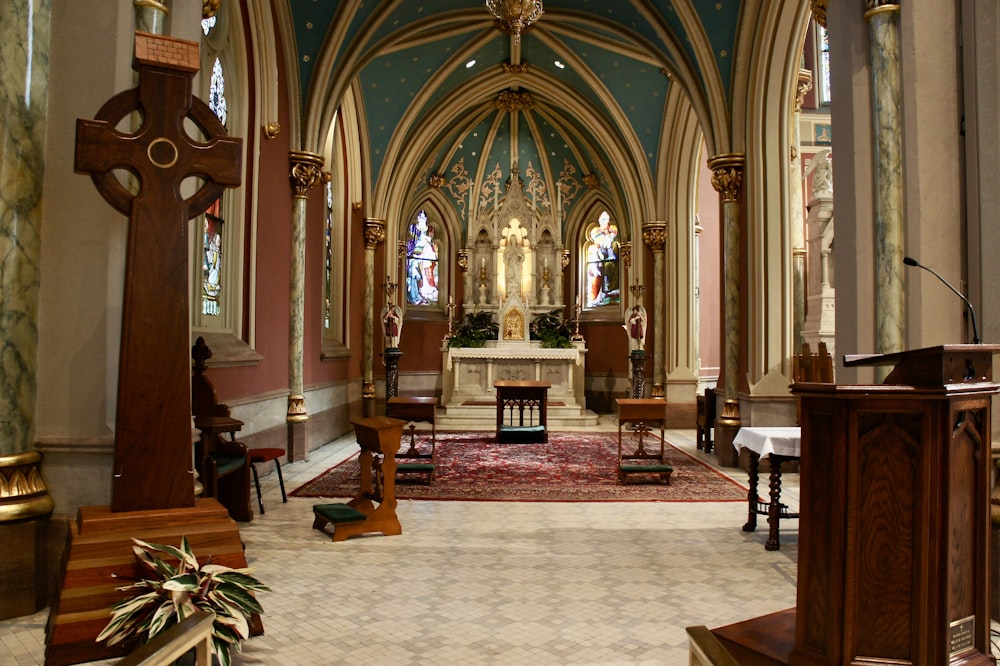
x,y
153,490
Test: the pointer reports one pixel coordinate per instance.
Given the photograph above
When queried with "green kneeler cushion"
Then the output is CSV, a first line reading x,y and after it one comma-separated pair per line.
x,y
338,513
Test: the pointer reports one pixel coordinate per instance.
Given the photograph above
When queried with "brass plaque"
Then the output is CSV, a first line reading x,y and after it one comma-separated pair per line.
x,y
961,635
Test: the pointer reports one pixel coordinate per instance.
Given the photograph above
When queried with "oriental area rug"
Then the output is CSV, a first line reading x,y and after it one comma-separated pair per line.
x,y
571,467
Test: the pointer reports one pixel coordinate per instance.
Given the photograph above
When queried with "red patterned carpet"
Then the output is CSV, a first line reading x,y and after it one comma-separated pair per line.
x,y
572,467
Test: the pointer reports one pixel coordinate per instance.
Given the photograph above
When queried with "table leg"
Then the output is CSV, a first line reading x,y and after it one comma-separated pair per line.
x,y
754,473
774,508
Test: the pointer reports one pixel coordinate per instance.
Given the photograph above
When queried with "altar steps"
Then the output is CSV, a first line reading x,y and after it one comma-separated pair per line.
x,y
482,415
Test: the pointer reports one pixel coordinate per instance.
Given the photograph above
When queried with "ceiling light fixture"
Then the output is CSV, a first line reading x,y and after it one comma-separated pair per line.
x,y
514,16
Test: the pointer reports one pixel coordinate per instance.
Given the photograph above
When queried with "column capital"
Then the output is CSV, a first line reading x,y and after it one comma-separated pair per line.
x,y
374,232
625,251
655,235
727,175
804,86
306,171
463,260
819,11
873,7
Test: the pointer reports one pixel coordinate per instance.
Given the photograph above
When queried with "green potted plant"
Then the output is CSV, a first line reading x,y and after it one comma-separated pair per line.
x,y
550,330
177,591
474,329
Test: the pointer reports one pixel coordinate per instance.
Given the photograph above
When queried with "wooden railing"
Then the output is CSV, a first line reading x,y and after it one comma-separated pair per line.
x,y
168,646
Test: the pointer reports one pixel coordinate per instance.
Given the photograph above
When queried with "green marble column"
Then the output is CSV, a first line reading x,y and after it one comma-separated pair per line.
x,y
727,179
305,173
24,501
655,235
150,16
374,235
890,313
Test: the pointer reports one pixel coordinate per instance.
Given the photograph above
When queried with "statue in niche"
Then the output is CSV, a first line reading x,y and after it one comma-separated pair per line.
x,y
821,171
515,240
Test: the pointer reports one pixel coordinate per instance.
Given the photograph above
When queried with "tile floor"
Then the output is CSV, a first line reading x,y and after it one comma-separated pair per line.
x,y
495,582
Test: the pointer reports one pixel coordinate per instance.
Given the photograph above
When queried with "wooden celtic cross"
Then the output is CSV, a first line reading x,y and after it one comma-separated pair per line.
x,y
153,454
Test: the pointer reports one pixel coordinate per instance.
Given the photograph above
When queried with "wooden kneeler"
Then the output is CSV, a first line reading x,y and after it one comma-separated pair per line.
x,y
642,413
373,509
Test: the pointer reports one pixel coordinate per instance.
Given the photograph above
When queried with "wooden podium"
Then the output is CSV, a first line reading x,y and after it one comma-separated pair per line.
x,y
894,520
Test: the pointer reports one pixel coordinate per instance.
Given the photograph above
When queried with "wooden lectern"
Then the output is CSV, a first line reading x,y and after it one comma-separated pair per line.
x,y
894,519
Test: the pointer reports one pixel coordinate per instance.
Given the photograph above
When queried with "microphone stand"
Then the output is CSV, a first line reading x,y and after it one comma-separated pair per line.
x,y
910,261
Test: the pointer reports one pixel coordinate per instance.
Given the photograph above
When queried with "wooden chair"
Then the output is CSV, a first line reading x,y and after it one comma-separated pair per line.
x,y
415,461
705,420
373,509
642,413
223,463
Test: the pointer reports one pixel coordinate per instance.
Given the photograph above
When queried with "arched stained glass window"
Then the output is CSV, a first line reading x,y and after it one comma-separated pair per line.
x,y
422,270
328,254
601,253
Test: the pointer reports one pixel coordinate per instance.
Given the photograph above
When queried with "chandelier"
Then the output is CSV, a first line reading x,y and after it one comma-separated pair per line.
x,y
514,16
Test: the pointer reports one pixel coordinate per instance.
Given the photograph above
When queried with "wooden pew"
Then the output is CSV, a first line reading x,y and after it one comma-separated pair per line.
x,y
223,464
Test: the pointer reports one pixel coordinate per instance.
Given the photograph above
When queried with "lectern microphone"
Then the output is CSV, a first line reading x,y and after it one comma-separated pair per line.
x,y
910,261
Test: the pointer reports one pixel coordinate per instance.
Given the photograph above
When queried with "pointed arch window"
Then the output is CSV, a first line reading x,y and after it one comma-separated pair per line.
x,y
423,249
218,281
600,263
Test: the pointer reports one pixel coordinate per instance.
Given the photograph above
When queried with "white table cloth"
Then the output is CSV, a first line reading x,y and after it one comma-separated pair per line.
x,y
782,441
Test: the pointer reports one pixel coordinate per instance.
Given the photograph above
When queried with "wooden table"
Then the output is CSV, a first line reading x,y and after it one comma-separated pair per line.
x,y
780,445
521,397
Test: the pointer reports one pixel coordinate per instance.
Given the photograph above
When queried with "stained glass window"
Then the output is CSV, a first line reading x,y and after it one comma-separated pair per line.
x,y
824,66
601,249
211,283
422,262
217,92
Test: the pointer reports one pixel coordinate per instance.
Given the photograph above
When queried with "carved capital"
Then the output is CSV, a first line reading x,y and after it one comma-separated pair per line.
x,y
272,129
625,251
819,11
804,86
655,235
463,260
564,261
374,232
436,181
22,491
368,390
727,175
306,171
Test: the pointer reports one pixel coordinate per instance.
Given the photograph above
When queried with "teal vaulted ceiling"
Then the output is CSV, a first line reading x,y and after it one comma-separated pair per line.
x,y
590,84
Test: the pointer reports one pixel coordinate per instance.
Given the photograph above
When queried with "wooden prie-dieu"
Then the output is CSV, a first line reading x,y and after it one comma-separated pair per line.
x,y
152,492
894,526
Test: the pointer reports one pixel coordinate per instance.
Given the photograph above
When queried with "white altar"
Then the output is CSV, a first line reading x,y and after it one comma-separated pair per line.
x,y
468,396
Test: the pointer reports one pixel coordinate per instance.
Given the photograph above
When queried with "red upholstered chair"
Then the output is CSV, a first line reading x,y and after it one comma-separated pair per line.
x,y
262,456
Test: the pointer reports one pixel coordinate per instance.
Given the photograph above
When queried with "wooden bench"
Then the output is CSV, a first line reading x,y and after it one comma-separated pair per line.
x,y
415,409
642,413
373,509
222,462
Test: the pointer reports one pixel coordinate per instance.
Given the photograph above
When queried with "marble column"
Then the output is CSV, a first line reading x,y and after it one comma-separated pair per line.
x,y
305,173
655,235
374,235
883,18
797,217
151,16
727,179
24,501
